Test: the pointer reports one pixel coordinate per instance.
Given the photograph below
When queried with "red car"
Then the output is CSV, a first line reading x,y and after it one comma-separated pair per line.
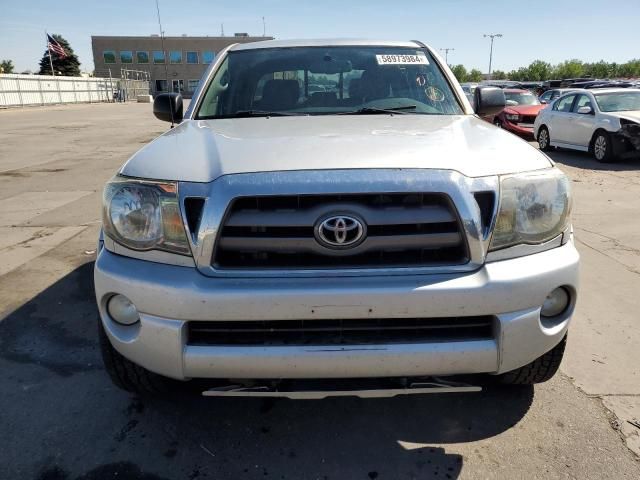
x,y
522,108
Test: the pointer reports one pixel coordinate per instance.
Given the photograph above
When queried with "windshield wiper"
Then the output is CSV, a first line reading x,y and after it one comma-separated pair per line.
x,y
375,110
260,113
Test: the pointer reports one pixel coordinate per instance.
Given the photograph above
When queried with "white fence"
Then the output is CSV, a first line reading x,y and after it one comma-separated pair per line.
x,y
22,90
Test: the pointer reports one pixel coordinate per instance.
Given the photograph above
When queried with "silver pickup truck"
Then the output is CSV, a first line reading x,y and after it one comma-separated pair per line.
x,y
329,218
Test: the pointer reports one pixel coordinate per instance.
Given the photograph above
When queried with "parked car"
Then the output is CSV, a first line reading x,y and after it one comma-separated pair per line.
x,y
605,122
521,110
601,84
469,87
550,95
381,243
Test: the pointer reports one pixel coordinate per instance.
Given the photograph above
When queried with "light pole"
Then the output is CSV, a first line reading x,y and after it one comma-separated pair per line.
x,y
491,36
446,54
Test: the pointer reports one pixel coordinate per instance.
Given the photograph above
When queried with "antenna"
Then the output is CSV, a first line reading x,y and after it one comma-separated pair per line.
x,y
164,53
222,29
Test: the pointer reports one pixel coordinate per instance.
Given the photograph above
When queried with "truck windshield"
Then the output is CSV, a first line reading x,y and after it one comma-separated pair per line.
x,y
328,81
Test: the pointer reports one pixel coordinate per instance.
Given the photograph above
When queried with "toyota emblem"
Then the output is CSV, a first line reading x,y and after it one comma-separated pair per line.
x,y
340,231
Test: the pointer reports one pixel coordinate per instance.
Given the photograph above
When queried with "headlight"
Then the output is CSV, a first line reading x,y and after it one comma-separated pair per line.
x,y
144,215
512,117
534,208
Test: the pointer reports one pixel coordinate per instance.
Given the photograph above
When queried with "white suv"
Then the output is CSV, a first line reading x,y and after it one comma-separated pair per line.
x,y
605,122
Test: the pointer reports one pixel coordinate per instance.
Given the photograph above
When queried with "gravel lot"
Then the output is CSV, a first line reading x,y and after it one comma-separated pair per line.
x,y
60,417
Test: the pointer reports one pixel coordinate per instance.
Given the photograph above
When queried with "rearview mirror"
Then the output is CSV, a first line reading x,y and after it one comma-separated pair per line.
x,y
168,107
585,110
489,101
330,66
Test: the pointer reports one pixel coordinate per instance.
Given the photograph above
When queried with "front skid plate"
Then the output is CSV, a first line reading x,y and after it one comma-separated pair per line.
x,y
311,393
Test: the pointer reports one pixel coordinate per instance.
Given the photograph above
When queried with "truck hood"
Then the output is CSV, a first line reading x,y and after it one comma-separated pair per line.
x,y
203,150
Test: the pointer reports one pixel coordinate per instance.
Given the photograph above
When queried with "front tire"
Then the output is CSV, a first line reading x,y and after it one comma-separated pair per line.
x,y
602,147
544,141
497,123
127,375
540,370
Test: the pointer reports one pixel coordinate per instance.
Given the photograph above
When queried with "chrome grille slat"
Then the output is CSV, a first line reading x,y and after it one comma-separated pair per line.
x,y
308,244
304,218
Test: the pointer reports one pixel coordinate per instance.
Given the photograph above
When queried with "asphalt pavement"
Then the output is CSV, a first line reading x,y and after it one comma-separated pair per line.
x,y
61,419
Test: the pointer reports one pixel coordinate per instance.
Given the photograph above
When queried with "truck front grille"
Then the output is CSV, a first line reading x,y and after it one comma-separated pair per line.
x,y
528,119
340,332
280,232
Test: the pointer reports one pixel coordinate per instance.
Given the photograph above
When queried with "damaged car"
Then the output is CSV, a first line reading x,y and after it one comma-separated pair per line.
x,y
604,122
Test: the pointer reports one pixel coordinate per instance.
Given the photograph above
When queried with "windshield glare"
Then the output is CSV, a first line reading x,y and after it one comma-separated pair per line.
x,y
520,98
328,80
618,102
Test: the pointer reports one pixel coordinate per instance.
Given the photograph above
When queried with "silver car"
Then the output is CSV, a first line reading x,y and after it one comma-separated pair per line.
x,y
373,240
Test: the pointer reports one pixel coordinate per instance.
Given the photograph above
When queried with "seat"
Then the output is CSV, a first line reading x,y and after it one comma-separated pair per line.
x,y
374,85
280,95
323,99
382,82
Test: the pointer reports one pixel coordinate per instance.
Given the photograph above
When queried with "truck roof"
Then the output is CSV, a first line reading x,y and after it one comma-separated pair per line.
x,y
328,42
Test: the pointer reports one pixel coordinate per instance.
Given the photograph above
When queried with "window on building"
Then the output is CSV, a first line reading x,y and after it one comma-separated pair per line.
x,y
158,57
126,56
192,85
175,56
161,85
192,57
109,56
142,57
208,56
177,85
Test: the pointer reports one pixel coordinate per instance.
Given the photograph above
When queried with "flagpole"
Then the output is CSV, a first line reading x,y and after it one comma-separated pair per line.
x,y
49,50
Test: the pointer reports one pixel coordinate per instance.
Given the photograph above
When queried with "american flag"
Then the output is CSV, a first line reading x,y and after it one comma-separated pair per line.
x,y
55,47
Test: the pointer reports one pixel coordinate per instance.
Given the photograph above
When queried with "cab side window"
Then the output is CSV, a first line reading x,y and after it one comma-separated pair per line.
x,y
218,87
564,104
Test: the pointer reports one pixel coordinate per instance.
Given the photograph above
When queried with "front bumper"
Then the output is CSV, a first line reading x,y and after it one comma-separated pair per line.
x,y
518,129
626,142
168,297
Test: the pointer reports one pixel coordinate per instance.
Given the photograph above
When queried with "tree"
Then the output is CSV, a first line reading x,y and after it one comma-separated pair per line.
x,y
539,70
68,66
520,75
600,69
630,69
460,72
6,66
498,75
475,75
570,69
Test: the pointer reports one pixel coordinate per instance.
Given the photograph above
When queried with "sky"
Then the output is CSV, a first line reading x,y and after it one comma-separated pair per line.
x,y
551,30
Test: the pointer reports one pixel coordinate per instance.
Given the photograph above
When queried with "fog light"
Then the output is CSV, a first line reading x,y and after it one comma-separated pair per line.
x,y
556,302
122,310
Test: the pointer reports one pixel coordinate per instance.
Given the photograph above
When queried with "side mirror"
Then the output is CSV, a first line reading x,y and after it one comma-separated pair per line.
x,y
489,101
543,101
168,107
585,110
